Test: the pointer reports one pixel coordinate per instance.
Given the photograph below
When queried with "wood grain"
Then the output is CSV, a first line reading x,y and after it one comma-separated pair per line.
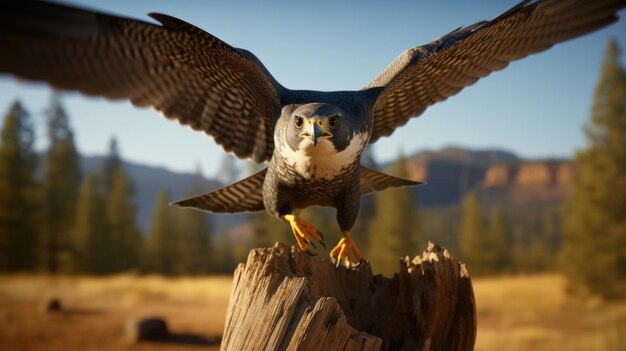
x,y
283,299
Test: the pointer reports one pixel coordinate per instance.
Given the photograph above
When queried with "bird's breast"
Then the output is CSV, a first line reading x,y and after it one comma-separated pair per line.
x,y
323,161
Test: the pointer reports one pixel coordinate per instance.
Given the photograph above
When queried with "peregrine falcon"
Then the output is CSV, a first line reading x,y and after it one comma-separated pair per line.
x,y
311,140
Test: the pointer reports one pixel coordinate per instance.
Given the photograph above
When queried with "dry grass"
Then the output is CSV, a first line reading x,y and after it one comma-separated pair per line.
x,y
88,286
95,310
534,313
514,313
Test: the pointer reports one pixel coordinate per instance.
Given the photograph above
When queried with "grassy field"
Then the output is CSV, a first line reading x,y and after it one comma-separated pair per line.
x,y
534,313
96,310
514,313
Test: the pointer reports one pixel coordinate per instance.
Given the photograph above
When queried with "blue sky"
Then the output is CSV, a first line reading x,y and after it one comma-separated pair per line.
x,y
536,107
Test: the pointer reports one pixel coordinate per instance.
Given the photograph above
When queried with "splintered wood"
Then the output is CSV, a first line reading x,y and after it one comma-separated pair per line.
x,y
283,299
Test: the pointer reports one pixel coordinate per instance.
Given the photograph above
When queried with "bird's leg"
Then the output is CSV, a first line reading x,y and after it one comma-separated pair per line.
x,y
345,251
304,233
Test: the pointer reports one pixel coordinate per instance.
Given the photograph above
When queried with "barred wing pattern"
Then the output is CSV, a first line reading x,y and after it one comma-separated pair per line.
x,y
244,195
184,72
373,181
247,194
425,75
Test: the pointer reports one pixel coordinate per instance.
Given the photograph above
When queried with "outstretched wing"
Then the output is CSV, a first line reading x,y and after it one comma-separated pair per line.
x,y
372,181
181,70
427,74
245,195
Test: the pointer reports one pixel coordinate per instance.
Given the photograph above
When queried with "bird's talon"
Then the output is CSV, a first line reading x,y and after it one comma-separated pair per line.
x,y
347,264
310,253
324,245
337,263
304,233
346,253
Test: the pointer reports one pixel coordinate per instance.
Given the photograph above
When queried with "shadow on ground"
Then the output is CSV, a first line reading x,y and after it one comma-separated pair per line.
x,y
187,339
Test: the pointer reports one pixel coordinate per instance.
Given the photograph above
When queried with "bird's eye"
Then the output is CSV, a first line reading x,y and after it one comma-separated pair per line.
x,y
299,122
333,121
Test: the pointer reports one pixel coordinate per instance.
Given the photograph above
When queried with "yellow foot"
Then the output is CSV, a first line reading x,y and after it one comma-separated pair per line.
x,y
304,233
345,251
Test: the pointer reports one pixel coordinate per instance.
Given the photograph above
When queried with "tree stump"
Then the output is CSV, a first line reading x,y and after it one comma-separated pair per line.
x,y
52,305
283,299
151,328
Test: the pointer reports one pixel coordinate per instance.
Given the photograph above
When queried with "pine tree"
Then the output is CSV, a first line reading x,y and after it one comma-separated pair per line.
x,y
394,232
125,237
61,185
111,164
162,247
106,236
91,242
268,230
551,230
595,220
195,241
499,248
225,260
474,246
20,197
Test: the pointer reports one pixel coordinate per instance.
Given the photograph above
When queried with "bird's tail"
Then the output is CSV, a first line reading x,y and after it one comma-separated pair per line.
x,y
245,195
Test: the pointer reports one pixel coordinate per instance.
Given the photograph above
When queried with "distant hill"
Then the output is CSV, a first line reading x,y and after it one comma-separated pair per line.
x,y
462,155
452,171
500,177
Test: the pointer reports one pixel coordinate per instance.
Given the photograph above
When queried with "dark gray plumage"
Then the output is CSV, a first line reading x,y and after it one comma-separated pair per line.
x,y
311,140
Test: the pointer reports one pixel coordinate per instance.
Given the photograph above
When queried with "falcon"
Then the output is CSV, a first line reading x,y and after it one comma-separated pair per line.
x,y
311,140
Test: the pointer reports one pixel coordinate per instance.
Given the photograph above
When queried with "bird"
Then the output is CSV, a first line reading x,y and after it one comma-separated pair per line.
x,y
312,141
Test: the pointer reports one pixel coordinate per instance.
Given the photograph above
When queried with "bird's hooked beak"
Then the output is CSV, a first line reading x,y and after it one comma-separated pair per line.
x,y
316,130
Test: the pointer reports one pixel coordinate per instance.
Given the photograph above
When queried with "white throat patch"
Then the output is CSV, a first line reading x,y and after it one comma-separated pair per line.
x,y
322,161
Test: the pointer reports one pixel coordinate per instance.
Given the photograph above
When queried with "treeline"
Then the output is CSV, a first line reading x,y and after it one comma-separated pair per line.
x,y
497,239
55,219
59,220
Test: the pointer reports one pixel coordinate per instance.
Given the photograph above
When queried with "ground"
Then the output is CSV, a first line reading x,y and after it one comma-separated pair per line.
x,y
535,313
514,313
96,310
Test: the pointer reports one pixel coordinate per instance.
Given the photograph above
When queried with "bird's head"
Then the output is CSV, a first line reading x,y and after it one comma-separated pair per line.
x,y
317,124
319,140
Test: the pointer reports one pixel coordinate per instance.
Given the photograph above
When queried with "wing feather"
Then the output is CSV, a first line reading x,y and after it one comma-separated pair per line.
x,y
243,196
184,72
372,181
425,75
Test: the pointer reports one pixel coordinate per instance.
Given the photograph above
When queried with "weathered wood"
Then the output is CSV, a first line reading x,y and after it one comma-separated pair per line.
x,y
283,299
